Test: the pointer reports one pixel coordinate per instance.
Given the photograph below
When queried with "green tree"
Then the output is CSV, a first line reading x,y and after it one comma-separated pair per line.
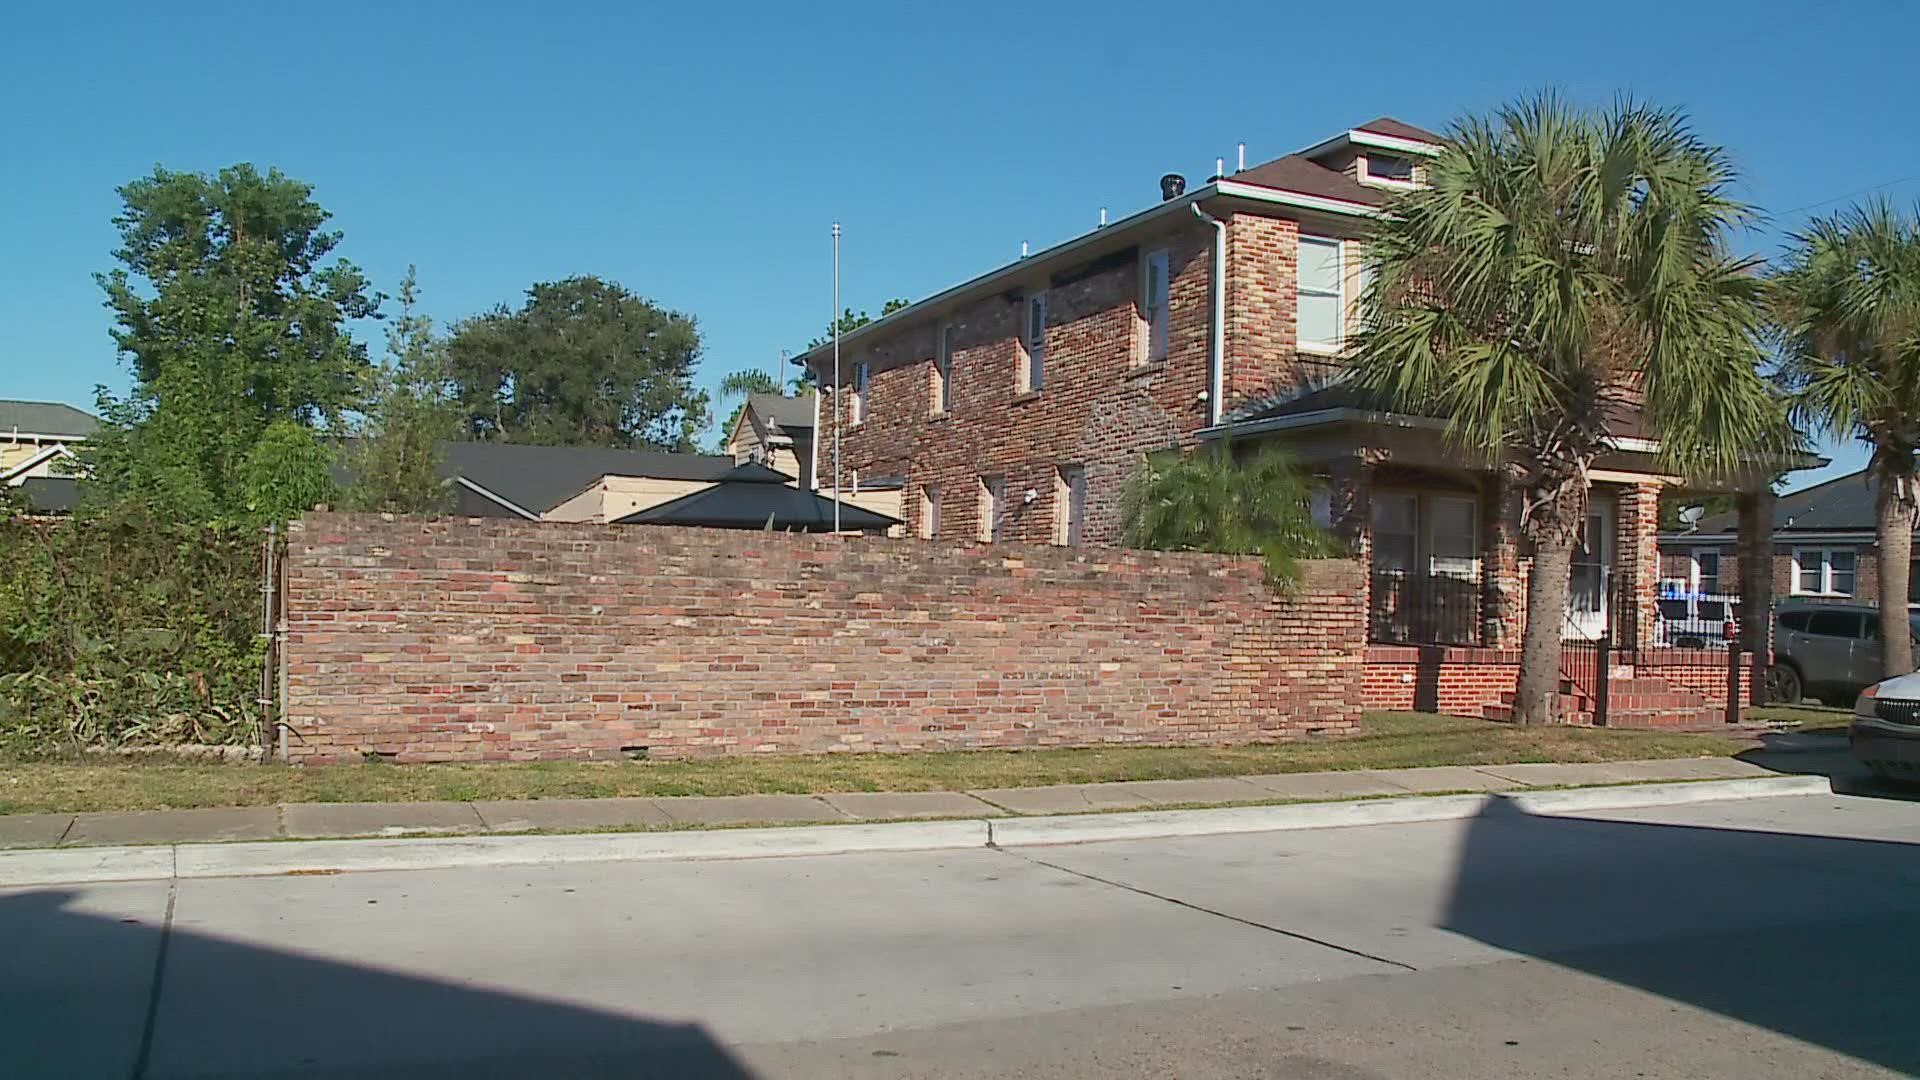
x,y
584,362
394,460
1849,311
1215,500
231,322
1562,271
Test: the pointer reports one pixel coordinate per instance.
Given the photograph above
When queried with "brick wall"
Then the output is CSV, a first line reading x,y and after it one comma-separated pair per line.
x,y
470,640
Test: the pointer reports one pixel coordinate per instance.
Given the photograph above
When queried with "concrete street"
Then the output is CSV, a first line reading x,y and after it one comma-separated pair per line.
x,y
1771,937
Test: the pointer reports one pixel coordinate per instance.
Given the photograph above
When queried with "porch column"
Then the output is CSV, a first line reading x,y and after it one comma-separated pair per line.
x,y
1755,560
1503,605
1637,562
1350,508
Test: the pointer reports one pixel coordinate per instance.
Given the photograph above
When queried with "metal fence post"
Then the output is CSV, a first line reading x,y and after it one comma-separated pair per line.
x,y
269,593
1733,671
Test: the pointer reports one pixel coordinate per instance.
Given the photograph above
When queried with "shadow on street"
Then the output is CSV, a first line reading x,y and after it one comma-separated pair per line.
x,y
1796,753
77,999
1809,936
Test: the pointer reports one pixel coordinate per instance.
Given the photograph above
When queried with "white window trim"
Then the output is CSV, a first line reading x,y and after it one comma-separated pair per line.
x,y
1367,177
1825,557
942,403
1063,522
929,511
1322,348
862,383
1032,363
1144,355
993,508
1693,569
1428,519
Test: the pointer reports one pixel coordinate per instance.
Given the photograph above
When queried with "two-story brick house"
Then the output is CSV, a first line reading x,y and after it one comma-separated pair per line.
x,y
1014,406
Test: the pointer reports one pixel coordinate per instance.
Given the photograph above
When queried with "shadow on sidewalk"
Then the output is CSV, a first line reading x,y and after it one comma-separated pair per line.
x,y
77,996
1813,937
1795,753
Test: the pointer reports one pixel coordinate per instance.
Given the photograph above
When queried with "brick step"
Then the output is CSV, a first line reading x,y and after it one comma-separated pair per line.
x,y
1572,711
1669,720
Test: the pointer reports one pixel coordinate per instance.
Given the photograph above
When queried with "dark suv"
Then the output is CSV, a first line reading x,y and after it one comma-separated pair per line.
x,y
1831,651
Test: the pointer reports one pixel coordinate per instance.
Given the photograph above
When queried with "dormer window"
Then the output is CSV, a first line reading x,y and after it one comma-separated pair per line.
x,y
1391,168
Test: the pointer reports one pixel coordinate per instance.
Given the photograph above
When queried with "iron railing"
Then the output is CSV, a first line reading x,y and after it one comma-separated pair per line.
x,y
1423,609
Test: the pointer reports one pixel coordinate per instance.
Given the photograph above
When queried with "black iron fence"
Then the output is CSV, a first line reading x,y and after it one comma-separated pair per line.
x,y
1424,609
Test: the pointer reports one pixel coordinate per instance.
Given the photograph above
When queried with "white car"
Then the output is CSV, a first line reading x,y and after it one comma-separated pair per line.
x,y
1885,733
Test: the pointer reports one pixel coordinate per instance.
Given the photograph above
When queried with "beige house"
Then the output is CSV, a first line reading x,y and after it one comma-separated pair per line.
x,y
37,440
777,432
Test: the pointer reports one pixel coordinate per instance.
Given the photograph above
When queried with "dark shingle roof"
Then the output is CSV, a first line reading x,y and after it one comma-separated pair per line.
x,y
789,413
46,418
537,478
1842,505
1309,177
51,494
1387,125
751,497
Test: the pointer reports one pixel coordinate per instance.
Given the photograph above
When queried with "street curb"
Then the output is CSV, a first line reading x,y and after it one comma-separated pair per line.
x,y
79,866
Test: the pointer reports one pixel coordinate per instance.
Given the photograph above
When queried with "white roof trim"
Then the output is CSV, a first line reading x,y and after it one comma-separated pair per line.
x,y
36,461
1362,137
485,494
16,435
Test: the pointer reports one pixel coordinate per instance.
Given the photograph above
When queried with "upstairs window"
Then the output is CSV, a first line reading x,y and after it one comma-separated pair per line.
x,y
1033,358
943,371
1155,291
1070,504
1319,311
1389,167
993,508
929,511
1824,571
858,406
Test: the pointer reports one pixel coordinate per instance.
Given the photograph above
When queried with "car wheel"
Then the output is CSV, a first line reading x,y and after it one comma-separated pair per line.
x,y
1784,686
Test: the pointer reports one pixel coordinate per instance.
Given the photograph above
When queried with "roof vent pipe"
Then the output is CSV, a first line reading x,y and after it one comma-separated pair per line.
x,y
1242,167
1219,169
1172,186
1103,217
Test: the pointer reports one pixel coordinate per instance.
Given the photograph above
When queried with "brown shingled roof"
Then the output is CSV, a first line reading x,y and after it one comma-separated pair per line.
x,y
1296,173
1387,125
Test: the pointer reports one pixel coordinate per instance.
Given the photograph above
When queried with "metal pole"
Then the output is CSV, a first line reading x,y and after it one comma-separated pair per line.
x,y
269,658
836,376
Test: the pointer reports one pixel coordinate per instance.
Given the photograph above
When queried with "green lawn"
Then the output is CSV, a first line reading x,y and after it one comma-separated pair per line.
x,y
1387,741
1821,718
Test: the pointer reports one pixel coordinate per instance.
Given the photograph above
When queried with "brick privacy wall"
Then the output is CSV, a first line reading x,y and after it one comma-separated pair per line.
x,y
498,640
1099,408
1463,682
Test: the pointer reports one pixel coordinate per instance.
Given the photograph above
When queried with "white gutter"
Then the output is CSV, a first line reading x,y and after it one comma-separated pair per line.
x,y
1217,335
1319,418
1363,137
994,280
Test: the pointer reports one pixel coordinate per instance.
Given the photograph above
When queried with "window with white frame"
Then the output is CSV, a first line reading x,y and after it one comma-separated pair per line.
x,y
1706,571
1453,548
1033,357
993,508
1824,571
929,511
1395,532
1320,310
943,370
1070,504
1155,293
1389,167
857,408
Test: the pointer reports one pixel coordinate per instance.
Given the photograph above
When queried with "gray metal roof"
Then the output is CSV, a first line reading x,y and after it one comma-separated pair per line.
x,y
51,494
537,478
46,418
793,414
1841,505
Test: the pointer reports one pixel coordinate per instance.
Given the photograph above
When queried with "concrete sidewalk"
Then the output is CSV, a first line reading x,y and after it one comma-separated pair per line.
x,y
306,821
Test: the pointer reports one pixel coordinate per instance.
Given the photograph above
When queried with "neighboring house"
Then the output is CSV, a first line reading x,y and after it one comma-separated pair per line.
x,y
37,440
776,431
1824,541
1015,406
753,496
572,483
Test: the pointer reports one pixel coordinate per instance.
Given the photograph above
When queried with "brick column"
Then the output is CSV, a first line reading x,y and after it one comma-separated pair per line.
x,y
1503,613
1637,558
1350,500
1756,585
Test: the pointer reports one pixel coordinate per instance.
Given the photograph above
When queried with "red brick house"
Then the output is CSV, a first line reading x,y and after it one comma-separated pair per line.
x,y
1015,405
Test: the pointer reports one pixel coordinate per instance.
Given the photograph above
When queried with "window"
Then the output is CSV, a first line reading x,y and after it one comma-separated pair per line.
x,y
1824,571
1033,360
1452,542
1840,624
929,511
1913,583
1389,167
1070,504
1706,571
858,407
943,371
1155,290
993,508
1319,311
1393,531
1797,621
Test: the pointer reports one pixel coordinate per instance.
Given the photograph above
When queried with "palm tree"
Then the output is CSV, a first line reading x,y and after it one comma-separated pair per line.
x,y
1563,270
1213,500
1848,302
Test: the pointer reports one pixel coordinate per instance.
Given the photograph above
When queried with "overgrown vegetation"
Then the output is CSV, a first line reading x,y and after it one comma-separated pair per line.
x,y
128,628
1216,500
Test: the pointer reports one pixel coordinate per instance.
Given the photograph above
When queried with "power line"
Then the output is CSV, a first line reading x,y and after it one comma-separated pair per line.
x,y
1849,195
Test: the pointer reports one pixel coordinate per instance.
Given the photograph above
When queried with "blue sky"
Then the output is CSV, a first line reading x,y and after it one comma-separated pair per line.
x,y
699,152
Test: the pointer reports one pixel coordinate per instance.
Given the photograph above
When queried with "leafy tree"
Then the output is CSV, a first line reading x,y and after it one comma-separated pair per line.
x,y
1849,306
1214,500
849,321
231,322
584,362
394,461
1562,271
287,471
743,384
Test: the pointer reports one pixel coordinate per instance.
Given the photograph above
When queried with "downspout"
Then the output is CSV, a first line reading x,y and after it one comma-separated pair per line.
x,y
1217,337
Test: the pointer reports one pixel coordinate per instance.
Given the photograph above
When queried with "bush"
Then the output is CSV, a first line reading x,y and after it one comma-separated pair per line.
x,y
127,629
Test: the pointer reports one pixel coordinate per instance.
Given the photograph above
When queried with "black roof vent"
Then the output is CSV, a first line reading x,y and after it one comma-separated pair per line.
x,y
1172,186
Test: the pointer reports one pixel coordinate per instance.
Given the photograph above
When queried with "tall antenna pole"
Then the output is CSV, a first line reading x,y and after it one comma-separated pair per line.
x,y
836,376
